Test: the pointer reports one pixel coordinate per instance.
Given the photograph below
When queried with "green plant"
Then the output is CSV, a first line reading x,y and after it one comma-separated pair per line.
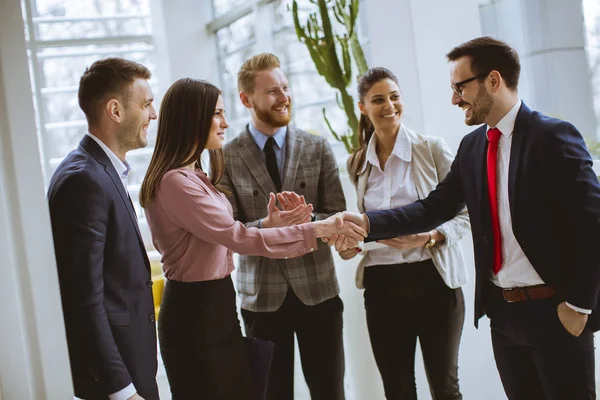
x,y
333,52
594,148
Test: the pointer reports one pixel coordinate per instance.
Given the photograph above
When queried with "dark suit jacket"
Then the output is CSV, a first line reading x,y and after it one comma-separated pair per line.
x,y
104,276
554,199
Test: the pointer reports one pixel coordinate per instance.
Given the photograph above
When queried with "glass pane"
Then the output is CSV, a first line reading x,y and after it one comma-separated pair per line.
x,y
282,13
309,87
222,6
93,29
84,8
230,65
61,141
238,34
63,66
311,119
61,107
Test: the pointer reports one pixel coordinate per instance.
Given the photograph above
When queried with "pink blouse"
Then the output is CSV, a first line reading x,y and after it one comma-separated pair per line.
x,y
194,230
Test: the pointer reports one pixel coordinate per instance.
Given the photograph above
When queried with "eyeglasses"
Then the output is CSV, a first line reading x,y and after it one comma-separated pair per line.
x,y
458,87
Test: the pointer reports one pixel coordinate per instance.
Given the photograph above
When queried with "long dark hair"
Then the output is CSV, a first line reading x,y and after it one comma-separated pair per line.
x,y
184,123
365,126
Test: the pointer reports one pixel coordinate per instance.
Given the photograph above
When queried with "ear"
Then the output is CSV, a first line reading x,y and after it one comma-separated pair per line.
x,y
361,107
245,100
495,80
114,110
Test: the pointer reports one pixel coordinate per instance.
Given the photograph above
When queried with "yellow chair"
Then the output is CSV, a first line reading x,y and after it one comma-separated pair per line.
x,y
157,287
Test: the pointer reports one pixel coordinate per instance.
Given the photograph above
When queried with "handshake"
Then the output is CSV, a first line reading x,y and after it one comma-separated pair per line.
x,y
343,230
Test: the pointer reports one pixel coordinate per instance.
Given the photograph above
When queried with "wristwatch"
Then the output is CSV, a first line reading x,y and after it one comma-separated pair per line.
x,y
430,243
313,217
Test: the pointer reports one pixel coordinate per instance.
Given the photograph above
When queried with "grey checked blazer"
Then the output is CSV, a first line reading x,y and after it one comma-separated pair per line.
x,y
310,169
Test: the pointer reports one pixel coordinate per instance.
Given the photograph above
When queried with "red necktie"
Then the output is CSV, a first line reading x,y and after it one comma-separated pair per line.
x,y
492,158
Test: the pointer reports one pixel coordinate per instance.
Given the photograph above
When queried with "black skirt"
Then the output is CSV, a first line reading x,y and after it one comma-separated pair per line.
x,y
201,341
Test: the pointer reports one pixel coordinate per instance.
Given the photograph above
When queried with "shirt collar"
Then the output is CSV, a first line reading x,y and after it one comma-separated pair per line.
x,y
507,124
402,149
261,139
121,167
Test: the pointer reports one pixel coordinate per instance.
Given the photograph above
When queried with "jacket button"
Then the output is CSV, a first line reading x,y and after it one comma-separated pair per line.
x,y
302,185
255,193
152,318
149,283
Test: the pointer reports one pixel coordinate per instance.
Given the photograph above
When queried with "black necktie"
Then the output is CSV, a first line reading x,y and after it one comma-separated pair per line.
x,y
271,161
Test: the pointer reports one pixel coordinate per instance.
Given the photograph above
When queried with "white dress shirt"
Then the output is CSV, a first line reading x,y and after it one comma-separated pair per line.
x,y
390,188
516,269
122,169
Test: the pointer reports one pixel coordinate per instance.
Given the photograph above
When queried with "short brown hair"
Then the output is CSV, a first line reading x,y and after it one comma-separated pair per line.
x,y
106,79
488,54
260,62
184,123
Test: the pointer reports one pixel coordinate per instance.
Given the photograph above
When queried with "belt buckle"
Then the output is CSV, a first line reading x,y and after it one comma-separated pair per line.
x,y
504,295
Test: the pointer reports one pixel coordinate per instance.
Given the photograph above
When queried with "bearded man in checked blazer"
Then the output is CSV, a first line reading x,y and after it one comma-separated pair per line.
x,y
283,297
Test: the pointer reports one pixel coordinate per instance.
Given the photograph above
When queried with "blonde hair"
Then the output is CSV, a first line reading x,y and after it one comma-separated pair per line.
x,y
260,62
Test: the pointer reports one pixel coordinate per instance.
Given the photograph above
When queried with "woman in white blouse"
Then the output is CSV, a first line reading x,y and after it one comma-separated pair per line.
x,y
412,282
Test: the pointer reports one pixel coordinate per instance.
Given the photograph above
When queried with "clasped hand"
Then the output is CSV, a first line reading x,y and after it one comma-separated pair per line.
x,y
345,240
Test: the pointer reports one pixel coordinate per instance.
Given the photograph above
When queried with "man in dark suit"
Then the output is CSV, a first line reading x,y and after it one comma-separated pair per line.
x,y
534,204
283,298
103,268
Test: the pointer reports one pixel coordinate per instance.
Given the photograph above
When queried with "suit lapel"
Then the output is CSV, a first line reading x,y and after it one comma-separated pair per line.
x,y
516,150
293,149
254,160
96,151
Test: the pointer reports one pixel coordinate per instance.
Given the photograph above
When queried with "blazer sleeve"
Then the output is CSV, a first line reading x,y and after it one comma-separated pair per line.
x,y
455,229
330,194
233,198
79,215
188,204
442,204
570,169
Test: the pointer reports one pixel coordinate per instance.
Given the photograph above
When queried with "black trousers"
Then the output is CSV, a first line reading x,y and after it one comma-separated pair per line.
x,y
409,301
201,342
319,332
535,355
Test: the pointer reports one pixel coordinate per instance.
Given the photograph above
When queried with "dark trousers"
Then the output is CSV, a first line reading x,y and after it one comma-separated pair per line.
x,y
319,332
536,357
201,342
409,301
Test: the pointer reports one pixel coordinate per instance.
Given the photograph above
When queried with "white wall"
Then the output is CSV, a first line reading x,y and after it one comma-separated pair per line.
x,y
33,354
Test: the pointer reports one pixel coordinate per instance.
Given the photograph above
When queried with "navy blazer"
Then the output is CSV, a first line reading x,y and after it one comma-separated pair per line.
x,y
554,199
104,276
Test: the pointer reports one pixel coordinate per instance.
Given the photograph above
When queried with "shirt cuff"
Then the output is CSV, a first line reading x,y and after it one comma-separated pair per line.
x,y
260,223
579,310
123,394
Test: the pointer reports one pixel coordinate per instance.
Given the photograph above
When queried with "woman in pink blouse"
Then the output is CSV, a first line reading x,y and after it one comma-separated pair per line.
x,y
194,230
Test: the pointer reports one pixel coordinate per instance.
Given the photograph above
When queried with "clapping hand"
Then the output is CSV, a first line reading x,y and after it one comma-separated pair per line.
x,y
291,200
294,216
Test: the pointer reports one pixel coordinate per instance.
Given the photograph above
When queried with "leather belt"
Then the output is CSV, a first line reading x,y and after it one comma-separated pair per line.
x,y
512,295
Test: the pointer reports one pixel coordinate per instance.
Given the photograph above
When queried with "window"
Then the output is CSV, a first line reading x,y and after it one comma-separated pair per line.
x,y
591,15
243,30
66,36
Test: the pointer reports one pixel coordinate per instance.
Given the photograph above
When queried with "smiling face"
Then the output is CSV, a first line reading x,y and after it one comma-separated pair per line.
x,y
383,105
138,112
271,101
217,129
476,101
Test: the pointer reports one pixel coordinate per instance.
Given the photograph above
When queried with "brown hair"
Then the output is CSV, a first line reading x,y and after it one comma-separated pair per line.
x,y
260,62
365,126
184,122
488,54
107,79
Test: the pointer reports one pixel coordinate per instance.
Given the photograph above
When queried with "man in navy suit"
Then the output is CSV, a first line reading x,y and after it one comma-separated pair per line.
x,y
103,268
534,204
